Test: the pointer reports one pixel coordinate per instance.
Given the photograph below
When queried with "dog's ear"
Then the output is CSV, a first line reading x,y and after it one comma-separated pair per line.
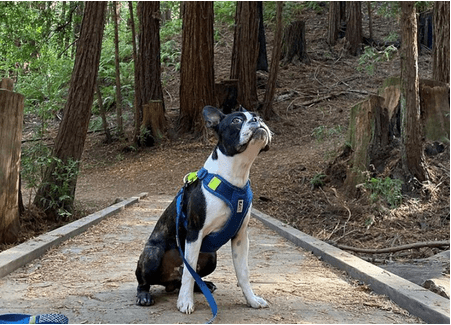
x,y
212,116
242,109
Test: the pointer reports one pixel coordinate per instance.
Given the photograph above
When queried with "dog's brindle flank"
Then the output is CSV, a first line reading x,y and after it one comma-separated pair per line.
x,y
241,137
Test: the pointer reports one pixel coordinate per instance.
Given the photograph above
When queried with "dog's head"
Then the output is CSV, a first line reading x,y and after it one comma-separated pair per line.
x,y
237,131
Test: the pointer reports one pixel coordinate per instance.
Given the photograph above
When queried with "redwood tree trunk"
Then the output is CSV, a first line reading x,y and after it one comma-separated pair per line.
x,y
413,156
11,120
268,111
440,53
354,27
197,79
245,53
72,132
120,129
149,67
334,22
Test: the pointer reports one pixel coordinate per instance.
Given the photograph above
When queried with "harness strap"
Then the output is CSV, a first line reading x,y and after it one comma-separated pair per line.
x,y
205,290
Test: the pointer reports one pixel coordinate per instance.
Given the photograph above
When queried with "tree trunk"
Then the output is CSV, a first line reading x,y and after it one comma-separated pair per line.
x,y
334,21
413,156
268,111
262,60
226,92
370,19
11,120
137,114
154,121
245,53
72,132
294,46
354,27
149,66
197,80
108,138
434,102
120,129
441,50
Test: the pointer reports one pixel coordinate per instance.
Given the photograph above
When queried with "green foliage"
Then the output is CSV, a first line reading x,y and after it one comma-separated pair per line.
x,y
170,54
387,189
369,59
36,159
60,192
322,132
225,12
170,29
317,180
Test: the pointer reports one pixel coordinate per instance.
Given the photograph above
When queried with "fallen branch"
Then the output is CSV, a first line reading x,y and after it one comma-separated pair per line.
x,y
394,249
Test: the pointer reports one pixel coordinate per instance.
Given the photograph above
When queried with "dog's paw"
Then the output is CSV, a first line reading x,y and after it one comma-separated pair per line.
x,y
185,305
210,285
144,299
257,302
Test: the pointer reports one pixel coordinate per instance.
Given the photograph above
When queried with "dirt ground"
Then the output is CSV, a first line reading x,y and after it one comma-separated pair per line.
x,y
306,140
90,279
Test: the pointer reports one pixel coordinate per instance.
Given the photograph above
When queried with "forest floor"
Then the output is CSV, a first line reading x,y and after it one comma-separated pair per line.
x,y
306,140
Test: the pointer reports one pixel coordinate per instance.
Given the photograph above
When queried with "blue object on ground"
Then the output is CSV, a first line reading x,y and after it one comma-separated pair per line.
x,y
37,319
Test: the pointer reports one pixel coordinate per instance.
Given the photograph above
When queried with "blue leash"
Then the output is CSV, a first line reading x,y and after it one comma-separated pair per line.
x,y
205,290
37,319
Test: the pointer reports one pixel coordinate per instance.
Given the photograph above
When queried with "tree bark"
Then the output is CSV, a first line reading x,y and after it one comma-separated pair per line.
x,y
262,61
334,21
441,50
294,46
354,27
245,53
197,79
11,120
108,138
268,111
413,154
149,66
120,129
137,115
72,132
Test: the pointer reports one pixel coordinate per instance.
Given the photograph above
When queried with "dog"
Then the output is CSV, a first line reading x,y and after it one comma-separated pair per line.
x,y
241,135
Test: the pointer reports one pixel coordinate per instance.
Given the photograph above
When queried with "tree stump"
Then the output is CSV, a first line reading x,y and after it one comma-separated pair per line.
x,y
11,119
153,123
369,139
375,132
226,93
294,46
434,103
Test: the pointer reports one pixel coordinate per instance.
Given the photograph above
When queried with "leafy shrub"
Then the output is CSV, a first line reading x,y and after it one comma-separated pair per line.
x,y
387,189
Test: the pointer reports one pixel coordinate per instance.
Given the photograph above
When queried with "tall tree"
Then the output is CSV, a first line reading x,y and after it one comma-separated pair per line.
x,y
136,110
197,79
245,53
268,111
354,26
150,94
120,129
413,156
440,52
334,20
72,132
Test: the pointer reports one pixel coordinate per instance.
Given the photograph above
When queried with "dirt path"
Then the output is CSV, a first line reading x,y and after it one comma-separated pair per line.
x,y
90,279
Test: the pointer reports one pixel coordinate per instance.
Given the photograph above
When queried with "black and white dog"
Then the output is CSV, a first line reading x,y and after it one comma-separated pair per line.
x,y
242,135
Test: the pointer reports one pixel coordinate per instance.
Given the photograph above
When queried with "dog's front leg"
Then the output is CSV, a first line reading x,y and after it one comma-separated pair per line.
x,y
240,251
185,302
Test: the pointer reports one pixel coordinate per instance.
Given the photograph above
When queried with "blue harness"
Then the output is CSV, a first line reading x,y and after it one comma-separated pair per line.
x,y
238,200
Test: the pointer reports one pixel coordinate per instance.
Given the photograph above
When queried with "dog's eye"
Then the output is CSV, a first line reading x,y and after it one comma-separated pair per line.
x,y
237,120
